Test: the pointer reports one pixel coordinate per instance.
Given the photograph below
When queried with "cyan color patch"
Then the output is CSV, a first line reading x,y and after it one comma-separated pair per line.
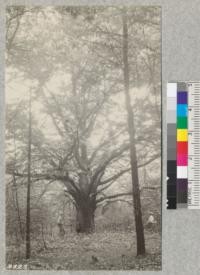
x,y
182,110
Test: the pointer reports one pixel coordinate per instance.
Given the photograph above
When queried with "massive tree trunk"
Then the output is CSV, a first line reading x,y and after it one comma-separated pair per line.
x,y
85,208
133,155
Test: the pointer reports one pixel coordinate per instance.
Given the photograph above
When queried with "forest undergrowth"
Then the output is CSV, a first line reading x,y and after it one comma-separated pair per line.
x,y
104,250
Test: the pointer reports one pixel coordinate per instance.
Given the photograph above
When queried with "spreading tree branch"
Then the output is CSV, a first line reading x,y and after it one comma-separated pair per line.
x,y
111,157
116,176
64,178
114,196
127,193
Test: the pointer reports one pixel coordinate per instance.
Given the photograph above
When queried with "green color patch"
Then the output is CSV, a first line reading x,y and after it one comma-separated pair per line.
x,y
182,122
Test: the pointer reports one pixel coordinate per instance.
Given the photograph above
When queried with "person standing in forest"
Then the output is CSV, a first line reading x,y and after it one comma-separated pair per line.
x,y
60,223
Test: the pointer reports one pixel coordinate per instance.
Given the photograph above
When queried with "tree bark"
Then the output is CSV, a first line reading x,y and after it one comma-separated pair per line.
x,y
28,220
85,216
133,155
17,208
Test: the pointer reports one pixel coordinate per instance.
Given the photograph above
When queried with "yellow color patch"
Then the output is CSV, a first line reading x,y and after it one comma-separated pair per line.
x,y
182,135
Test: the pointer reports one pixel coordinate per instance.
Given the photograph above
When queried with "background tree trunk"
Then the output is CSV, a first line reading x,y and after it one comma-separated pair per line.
x,y
28,245
133,155
17,207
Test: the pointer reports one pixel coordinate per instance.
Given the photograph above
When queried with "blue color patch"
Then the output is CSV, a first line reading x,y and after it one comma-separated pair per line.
x,y
182,97
182,110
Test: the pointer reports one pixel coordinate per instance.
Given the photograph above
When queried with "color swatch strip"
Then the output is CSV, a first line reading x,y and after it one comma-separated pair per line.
x,y
182,145
171,145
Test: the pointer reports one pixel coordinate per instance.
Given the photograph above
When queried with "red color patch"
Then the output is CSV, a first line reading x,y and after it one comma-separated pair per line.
x,y
182,147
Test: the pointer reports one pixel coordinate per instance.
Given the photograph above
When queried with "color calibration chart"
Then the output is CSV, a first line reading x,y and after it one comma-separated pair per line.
x,y
183,145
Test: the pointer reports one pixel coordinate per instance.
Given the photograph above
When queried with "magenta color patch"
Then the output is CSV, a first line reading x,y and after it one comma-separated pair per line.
x,y
182,160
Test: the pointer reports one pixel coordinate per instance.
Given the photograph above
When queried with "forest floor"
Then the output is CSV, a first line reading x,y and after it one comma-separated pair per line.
x,y
104,251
